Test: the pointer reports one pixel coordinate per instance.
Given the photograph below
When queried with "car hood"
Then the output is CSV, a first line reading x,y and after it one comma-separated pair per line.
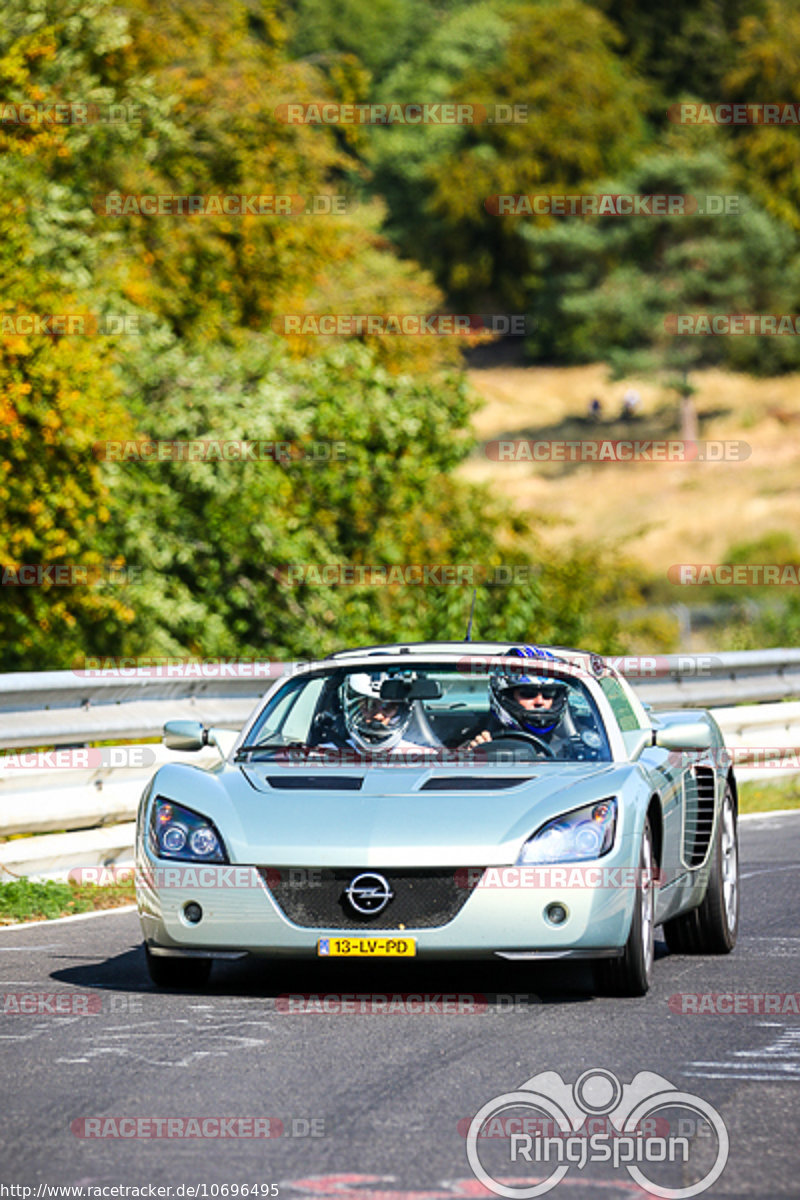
x,y
394,816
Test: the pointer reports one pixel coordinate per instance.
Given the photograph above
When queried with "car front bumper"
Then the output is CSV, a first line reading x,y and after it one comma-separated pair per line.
x,y
505,915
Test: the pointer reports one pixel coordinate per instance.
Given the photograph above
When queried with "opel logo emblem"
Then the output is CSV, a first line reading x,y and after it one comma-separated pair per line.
x,y
368,894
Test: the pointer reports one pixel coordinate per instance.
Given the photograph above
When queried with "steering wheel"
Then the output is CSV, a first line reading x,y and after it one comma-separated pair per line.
x,y
522,736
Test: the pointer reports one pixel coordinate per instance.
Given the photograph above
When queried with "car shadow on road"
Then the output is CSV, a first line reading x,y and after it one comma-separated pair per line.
x,y
490,984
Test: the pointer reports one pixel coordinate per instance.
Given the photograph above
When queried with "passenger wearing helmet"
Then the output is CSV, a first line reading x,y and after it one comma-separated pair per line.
x,y
373,724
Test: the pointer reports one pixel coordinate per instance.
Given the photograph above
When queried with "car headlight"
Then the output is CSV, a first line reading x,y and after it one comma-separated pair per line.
x,y
178,833
583,834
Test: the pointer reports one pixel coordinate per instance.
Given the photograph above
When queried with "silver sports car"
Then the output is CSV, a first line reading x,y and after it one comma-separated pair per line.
x,y
443,801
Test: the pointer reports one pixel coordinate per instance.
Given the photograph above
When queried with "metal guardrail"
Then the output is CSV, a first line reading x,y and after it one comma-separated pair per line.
x,y
719,680
56,708
747,691
62,707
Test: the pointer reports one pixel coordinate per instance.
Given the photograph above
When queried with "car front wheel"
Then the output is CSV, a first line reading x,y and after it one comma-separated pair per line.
x,y
183,973
712,928
631,974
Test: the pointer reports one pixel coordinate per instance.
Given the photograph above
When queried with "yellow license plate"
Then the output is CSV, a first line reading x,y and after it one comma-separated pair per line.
x,y
362,947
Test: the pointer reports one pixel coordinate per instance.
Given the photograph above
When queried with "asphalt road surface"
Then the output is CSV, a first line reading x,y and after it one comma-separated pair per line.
x,y
361,1105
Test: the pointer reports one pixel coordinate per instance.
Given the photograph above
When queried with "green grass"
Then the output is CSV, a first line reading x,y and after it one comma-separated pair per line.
x,y
767,795
23,900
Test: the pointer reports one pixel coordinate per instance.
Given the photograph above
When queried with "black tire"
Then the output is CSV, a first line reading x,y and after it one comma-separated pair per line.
x,y
712,928
632,973
183,973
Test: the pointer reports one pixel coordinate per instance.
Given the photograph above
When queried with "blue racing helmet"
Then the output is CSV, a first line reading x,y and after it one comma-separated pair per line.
x,y
507,684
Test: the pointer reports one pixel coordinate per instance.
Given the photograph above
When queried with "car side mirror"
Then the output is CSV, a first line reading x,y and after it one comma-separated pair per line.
x,y
184,735
694,735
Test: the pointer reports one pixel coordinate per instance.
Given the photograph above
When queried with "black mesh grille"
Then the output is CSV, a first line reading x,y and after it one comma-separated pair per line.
x,y
422,899
699,798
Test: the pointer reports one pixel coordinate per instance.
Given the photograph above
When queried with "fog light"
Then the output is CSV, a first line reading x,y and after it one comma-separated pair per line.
x,y
193,912
556,914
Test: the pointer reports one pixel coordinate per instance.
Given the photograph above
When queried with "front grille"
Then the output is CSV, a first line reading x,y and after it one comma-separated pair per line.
x,y
698,791
423,899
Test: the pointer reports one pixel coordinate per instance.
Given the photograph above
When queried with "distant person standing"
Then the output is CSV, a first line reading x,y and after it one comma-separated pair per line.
x,y
630,404
595,410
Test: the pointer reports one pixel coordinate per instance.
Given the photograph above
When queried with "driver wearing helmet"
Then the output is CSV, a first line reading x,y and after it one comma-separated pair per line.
x,y
532,703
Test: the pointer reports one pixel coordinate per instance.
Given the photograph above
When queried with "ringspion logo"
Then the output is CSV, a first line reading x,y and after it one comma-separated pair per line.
x,y
652,1130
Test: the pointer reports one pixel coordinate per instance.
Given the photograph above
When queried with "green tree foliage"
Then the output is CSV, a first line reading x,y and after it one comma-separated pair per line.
x,y
378,32
685,47
208,538
765,70
404,158
58,394
604,287
583,119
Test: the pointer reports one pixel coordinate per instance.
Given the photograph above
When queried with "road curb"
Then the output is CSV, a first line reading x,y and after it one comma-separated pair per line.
x,y
101,912
774,812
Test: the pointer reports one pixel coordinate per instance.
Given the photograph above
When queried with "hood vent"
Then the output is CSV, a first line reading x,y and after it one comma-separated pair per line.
x,y
316,783
473,783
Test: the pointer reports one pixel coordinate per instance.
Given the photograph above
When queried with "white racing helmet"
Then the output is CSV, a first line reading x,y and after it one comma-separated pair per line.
x,y
372,729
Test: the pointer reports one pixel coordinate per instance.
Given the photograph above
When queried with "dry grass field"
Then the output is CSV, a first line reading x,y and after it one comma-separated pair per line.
x,y
663,512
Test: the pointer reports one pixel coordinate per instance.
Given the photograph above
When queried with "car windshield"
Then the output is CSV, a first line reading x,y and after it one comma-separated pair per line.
x,y
419,714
